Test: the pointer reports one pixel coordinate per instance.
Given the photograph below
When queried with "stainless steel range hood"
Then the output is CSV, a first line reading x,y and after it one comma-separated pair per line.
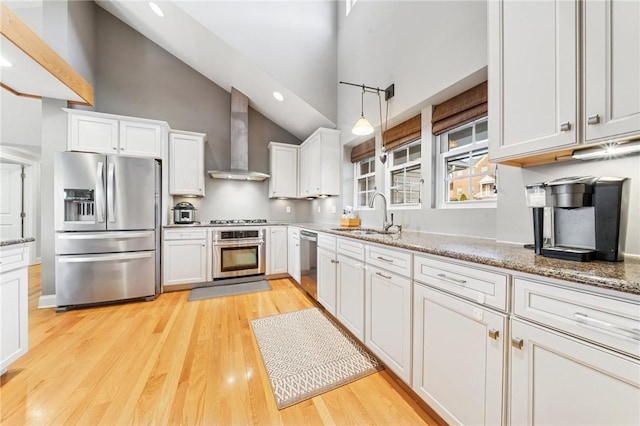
x,y
239,142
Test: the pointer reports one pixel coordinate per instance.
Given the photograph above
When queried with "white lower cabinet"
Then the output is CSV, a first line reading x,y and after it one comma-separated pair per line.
x,y
14,327
277,250
327,273
557,379
458,358
293,254
184,258
350,297
388,319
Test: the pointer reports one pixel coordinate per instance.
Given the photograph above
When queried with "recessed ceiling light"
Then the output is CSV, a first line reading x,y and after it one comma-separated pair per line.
x,y
5,63
156,9
278,96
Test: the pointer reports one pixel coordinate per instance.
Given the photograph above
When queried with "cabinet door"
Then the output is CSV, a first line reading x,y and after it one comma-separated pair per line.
x,y
350,299
315,165
140,139
13,316
388,320
293,265
559,380
186,165
533,72
327,269
184,261
611,69
277,253
458,358
93,134
284,171
304,173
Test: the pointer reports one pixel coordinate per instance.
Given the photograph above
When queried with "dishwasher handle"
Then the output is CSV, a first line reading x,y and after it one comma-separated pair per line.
x,y
309,236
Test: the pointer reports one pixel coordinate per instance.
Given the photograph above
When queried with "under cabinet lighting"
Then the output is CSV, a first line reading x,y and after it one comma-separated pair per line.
x,y
278,96
156,9
607,151
5,63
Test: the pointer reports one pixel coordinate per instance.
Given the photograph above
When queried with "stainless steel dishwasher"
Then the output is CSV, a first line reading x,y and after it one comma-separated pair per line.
x,y
308,262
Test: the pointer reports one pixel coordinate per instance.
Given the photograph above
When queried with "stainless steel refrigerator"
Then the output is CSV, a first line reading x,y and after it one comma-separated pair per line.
x,y
107,217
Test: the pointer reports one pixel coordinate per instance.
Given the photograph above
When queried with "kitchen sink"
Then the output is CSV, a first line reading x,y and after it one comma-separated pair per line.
x,y
361,231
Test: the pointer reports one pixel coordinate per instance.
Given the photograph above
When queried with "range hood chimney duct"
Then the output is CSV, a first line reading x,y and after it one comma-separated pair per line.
x,y
239,142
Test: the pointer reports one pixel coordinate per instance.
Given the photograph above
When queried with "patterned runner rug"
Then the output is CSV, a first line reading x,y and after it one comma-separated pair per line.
x,y
305,354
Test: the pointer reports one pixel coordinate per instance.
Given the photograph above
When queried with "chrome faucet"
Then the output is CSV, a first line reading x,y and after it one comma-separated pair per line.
x,y
385,224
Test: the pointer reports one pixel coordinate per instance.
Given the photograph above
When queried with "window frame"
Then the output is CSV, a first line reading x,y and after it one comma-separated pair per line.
x,y
390,168
442,158
357,177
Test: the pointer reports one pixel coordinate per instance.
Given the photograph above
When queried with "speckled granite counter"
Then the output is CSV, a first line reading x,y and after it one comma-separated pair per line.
x,y
620,276
16,241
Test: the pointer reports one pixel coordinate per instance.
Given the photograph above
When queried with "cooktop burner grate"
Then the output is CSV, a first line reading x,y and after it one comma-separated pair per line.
x,y
237,221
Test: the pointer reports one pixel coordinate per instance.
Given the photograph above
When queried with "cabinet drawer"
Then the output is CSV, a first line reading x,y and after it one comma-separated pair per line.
x,y
611,322
350,248
391,260
480,285
185,234
13,258
327,241
294,232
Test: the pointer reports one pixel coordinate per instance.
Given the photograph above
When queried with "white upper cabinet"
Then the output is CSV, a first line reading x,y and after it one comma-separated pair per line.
x,y
283,167
612,69
533,59
90,131
538,107
319,164
186,163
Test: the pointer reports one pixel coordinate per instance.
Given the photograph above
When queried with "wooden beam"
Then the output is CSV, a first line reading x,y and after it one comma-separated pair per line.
x,y
18,33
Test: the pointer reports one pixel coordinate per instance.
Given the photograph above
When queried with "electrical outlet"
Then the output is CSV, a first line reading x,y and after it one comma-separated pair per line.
x,y
333,209
319,209
288,209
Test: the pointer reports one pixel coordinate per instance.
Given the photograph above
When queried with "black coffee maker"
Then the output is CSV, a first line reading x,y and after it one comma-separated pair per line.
x,y
587,216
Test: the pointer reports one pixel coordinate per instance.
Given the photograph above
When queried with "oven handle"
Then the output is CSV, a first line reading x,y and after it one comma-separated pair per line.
x,y
238,243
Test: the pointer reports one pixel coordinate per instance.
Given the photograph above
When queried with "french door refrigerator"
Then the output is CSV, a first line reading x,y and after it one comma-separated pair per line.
x,y
107,216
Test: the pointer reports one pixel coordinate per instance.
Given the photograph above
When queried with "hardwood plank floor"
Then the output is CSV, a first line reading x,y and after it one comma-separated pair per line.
x,y
175,362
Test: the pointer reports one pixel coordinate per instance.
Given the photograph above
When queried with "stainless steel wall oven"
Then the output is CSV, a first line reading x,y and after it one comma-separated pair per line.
x,y
238,253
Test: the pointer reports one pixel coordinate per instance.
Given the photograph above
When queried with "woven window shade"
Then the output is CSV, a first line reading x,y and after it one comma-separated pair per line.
x,y
364,150
460,109
403,133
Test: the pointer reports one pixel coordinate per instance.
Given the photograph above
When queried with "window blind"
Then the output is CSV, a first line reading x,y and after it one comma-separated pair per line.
x,y
403,133
364,150
459,110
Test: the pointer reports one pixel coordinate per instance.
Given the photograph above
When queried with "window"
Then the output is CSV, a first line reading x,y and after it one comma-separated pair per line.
x,y
405,175
365,180
466,174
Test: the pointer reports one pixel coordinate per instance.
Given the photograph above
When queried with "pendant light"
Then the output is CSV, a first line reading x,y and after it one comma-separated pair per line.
x,y
362,126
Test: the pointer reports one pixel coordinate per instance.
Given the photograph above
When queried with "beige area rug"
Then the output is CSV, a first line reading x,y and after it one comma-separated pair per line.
x,y
306,354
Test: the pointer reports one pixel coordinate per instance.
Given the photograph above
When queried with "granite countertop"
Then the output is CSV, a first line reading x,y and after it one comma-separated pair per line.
x,y
620,276
16,241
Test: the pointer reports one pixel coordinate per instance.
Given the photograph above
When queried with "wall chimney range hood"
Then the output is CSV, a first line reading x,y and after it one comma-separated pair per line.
x,y
239,142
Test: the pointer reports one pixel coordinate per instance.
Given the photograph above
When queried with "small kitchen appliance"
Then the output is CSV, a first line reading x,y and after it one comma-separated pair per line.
x,y
588,217
184,213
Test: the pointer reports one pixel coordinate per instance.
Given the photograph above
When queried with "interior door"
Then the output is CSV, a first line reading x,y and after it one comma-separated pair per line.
x,y
10,201
131,193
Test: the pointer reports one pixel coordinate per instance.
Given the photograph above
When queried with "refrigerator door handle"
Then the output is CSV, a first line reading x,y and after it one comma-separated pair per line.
x,y
105,235
100,191
110,192
104,258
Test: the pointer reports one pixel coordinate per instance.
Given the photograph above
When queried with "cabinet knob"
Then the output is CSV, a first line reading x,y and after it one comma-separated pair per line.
x,y
565,127
114,148
517,342
494,334
593,119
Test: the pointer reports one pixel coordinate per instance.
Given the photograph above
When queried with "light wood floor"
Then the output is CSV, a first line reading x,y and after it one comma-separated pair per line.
x,y
174,362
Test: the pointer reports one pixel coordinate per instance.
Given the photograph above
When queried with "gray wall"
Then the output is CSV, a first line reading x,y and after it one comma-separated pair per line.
x,y
136,77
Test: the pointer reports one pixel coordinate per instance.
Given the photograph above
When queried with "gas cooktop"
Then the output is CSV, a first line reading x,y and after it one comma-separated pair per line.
x,y
238,222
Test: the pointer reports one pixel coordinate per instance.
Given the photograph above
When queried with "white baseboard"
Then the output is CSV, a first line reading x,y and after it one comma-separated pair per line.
x,y
48,301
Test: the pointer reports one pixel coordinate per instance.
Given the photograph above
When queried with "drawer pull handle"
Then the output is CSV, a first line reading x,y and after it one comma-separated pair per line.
x,y
494,334
593,119
380,274
384,259
334,261
451,279
517,342
584,319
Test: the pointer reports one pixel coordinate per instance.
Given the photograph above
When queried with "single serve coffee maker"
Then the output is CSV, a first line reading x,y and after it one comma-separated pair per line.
x,y
587,217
